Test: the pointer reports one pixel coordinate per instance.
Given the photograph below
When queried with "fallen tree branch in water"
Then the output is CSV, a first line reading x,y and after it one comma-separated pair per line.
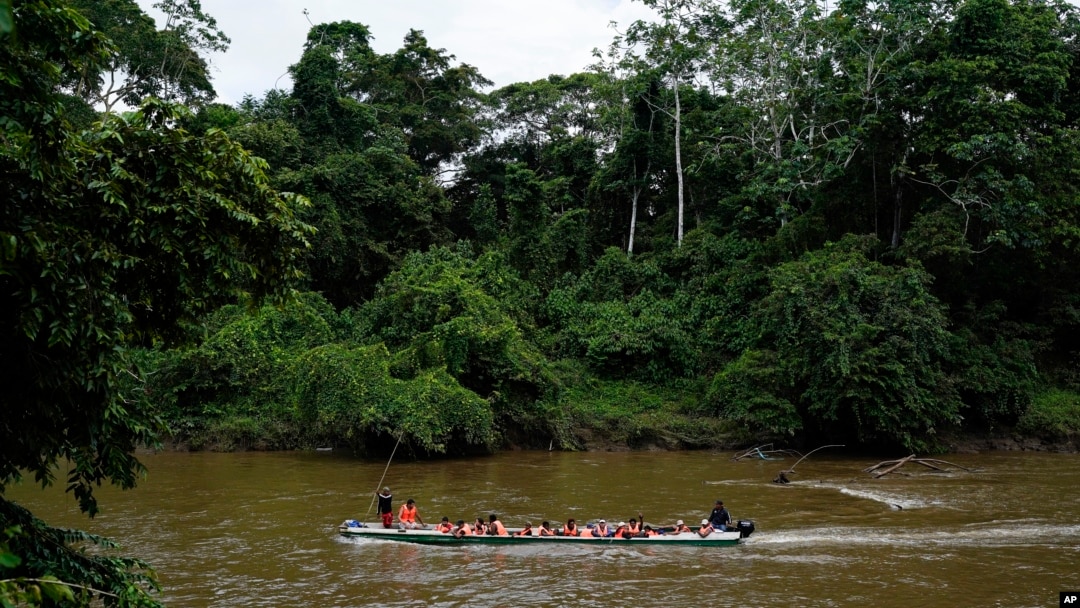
x,y
892,465
762,453
782,476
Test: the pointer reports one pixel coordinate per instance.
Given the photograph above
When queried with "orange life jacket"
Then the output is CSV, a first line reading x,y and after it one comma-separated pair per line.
x,y
406,514
651,532
587,533
634,528
681,529
542,531
598,531
571,531
444,527
465,529
480,529
500,530
620,532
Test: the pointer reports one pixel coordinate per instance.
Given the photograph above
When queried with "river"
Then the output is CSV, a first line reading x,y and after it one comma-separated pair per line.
x,y
259,529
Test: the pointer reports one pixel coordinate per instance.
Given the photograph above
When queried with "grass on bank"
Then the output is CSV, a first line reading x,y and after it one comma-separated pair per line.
x,y
1053,414
627,414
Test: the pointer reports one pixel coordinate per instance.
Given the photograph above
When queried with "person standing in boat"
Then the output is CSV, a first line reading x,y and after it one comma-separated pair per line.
x,y
409,516
386,507
720,518
570,529
496,527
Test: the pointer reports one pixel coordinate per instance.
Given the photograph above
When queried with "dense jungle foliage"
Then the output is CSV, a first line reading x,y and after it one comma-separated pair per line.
x,y
748,221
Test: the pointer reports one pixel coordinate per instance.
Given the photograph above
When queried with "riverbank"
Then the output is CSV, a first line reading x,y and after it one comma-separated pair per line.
x,y
590,439
1011,442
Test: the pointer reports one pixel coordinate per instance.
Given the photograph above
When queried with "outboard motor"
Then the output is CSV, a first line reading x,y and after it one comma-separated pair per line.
x,y
746,528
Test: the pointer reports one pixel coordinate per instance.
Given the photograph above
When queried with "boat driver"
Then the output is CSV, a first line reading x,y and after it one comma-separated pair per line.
x,y
720,518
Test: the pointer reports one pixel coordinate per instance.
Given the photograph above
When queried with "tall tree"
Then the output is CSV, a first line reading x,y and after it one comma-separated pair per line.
x,y
169,63
674,47
775,62
372,201
628,168
418,90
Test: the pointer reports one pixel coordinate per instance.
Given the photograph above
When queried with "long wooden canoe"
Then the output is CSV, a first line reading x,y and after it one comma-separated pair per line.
x,y
429,536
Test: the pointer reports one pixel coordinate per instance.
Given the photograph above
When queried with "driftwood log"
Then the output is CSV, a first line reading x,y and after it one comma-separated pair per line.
x,y
885,467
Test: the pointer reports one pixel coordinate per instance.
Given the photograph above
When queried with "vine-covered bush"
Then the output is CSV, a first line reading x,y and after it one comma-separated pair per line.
x,y
348,393
857,349
438,311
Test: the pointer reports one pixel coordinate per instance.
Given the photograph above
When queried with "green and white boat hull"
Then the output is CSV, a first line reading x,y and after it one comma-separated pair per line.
x,y
432,537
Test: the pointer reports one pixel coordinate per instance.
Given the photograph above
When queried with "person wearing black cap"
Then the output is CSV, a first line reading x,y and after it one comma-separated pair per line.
x,y
386,507
720,518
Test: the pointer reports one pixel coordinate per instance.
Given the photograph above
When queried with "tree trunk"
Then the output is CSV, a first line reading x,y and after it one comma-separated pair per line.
x,y
678,154
898,197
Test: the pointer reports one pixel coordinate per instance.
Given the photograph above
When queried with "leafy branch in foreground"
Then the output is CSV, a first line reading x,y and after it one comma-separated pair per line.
x,y
114,237
38,564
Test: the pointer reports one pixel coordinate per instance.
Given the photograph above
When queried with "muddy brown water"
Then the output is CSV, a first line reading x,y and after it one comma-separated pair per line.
x,y
259,529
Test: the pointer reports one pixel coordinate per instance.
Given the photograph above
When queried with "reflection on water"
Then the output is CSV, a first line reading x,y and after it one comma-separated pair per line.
x,y
259,529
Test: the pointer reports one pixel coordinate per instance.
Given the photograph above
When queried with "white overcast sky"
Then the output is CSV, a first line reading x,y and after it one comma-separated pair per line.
x,y
507,40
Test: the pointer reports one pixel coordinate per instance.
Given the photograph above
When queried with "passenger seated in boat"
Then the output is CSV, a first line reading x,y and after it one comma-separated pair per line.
x,y
680,527
602,529
570,529
545,529
706,528
479,527
444,526
409,517
633,528
589,531
648,532
621,530
495,527
462,528
526,531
